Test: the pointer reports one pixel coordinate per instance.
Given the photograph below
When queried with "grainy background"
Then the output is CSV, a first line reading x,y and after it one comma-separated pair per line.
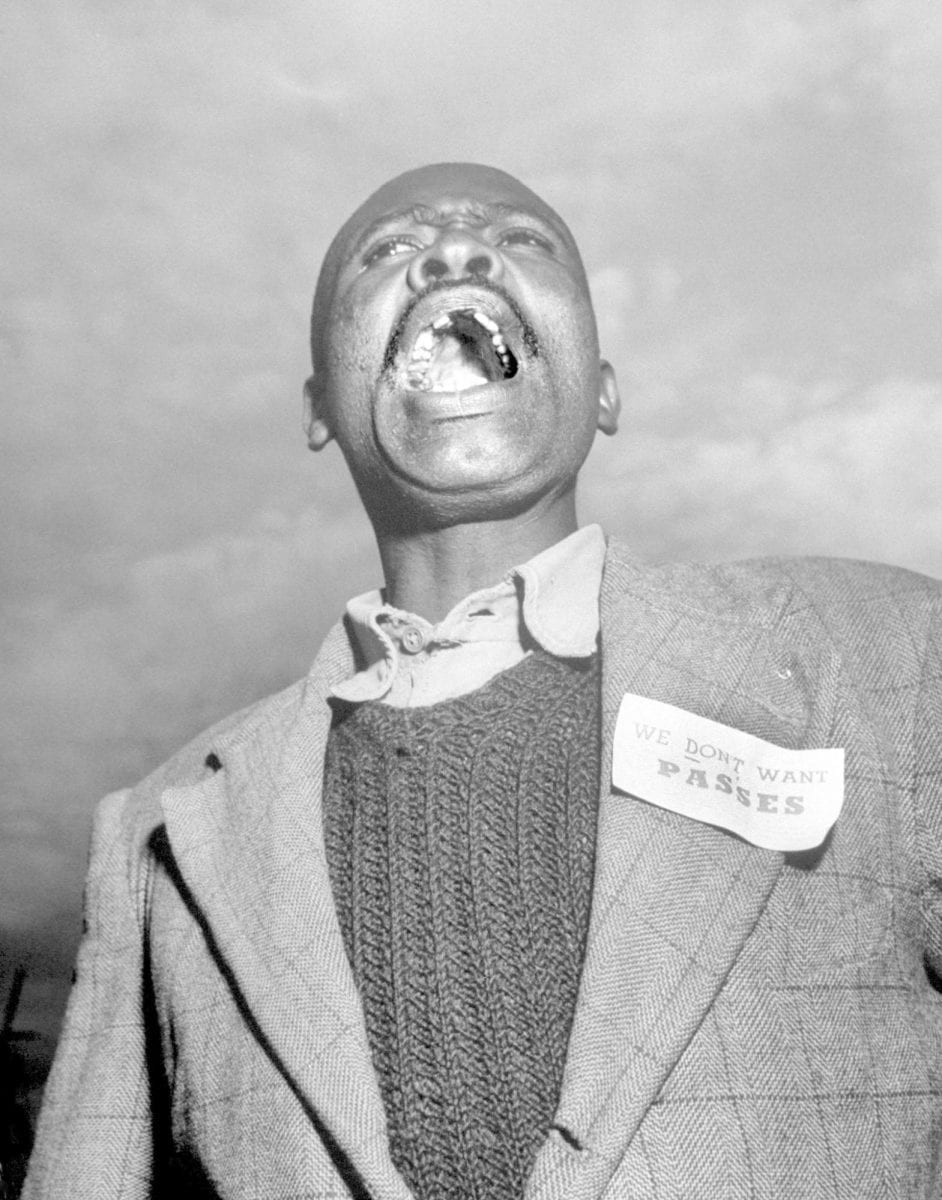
x,y
757,188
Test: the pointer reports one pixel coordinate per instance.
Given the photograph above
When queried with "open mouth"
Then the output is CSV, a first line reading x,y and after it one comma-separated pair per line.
x,y
460,350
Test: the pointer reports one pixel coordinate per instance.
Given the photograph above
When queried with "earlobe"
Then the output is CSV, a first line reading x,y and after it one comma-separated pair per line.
x,y
316,423
609,400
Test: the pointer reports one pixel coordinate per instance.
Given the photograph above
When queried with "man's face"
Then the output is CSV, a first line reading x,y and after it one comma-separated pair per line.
x,y
456,355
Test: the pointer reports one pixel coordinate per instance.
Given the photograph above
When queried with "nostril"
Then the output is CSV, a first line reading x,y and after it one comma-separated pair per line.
x,y
479,265
433,268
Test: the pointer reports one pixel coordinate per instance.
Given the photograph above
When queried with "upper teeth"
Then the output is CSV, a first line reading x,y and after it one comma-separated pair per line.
x,y
489,325
425,342
444,321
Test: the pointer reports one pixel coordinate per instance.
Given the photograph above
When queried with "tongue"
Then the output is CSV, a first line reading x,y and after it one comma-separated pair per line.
x,y
454,367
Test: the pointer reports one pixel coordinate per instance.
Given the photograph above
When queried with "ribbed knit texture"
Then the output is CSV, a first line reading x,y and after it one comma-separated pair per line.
x,y
460,841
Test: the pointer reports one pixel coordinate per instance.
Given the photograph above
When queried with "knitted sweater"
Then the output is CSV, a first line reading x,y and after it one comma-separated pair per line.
x,y
460,842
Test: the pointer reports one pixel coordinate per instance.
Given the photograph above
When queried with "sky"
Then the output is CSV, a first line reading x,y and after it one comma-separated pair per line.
x,y
757,191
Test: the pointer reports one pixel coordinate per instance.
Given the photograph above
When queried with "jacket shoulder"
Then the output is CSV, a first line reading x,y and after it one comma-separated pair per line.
x,y
855,579
130,815
818,580
883,621
877,612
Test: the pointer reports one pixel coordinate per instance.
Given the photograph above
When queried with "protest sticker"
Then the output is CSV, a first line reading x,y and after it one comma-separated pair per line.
x,y
773,797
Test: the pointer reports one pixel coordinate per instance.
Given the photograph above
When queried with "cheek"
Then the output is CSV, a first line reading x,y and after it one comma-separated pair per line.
x,y
348,347
562,316
342,358
360,326
579,335
346,311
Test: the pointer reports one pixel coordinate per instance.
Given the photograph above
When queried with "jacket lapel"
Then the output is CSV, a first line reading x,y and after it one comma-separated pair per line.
x,y
249,846
674,899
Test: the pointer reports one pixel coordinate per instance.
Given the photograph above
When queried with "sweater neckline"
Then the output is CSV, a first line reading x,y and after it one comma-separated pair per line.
x,y
503,691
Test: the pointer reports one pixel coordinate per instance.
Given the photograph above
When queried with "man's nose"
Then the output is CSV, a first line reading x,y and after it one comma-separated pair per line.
x,y
456,254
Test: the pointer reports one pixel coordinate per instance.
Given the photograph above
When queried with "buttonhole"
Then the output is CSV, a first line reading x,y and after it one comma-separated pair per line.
x,y
784,672
568,1137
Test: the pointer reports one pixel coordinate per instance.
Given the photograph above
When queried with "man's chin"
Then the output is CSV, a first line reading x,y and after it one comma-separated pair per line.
x,y
465,425
467,445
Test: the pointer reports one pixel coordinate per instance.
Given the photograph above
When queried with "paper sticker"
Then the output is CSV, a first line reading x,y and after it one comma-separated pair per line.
x,y
776,798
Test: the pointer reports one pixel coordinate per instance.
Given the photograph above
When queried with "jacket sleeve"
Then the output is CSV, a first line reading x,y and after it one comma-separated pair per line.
x,y
927,774
94,1138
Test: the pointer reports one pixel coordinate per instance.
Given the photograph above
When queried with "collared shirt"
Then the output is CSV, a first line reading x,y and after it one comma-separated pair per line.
x,y
551,600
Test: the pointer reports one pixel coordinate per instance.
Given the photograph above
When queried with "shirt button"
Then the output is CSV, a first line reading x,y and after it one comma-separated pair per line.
x,y
413,640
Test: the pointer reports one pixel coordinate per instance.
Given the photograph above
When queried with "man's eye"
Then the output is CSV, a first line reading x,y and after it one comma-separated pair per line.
x,y
389,248
525,237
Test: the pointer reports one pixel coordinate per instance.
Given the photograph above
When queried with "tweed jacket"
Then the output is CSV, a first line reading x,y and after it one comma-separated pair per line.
x,y
749,1023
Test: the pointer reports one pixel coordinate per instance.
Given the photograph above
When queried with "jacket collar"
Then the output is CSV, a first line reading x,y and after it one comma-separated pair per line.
x,y
673,900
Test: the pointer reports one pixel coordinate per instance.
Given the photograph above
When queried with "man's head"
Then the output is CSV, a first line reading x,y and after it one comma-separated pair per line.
x,y
455,350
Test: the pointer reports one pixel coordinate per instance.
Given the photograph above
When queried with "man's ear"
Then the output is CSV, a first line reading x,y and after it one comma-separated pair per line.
x,y
316,420
609,400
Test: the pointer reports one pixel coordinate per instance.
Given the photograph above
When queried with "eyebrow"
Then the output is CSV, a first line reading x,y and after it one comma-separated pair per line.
x,y
476,213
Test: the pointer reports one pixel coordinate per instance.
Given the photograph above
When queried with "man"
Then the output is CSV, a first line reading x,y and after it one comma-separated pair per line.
x,y
437,921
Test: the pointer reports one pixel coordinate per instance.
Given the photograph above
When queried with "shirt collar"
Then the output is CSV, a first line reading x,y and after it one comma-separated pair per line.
x,y
560,589
555,595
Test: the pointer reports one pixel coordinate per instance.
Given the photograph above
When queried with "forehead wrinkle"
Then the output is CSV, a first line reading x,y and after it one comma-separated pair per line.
x,y
472,212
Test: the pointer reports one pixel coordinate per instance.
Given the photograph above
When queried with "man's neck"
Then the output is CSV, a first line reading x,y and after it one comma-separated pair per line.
x,y
429,572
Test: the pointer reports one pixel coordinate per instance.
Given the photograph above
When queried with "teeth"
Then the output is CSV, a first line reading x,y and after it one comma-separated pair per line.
x,y
500,347
489,325
424,345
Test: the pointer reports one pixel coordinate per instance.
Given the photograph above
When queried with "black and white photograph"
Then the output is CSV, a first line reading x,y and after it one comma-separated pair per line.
x,y
472,632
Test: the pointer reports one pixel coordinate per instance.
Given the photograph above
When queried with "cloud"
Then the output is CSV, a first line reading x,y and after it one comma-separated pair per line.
x,y
97,694
830,471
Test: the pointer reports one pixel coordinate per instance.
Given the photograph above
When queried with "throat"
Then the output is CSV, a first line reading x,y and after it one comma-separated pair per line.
x,y
429,572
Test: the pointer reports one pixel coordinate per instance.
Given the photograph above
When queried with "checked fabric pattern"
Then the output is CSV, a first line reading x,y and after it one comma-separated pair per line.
x,y
748,1025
